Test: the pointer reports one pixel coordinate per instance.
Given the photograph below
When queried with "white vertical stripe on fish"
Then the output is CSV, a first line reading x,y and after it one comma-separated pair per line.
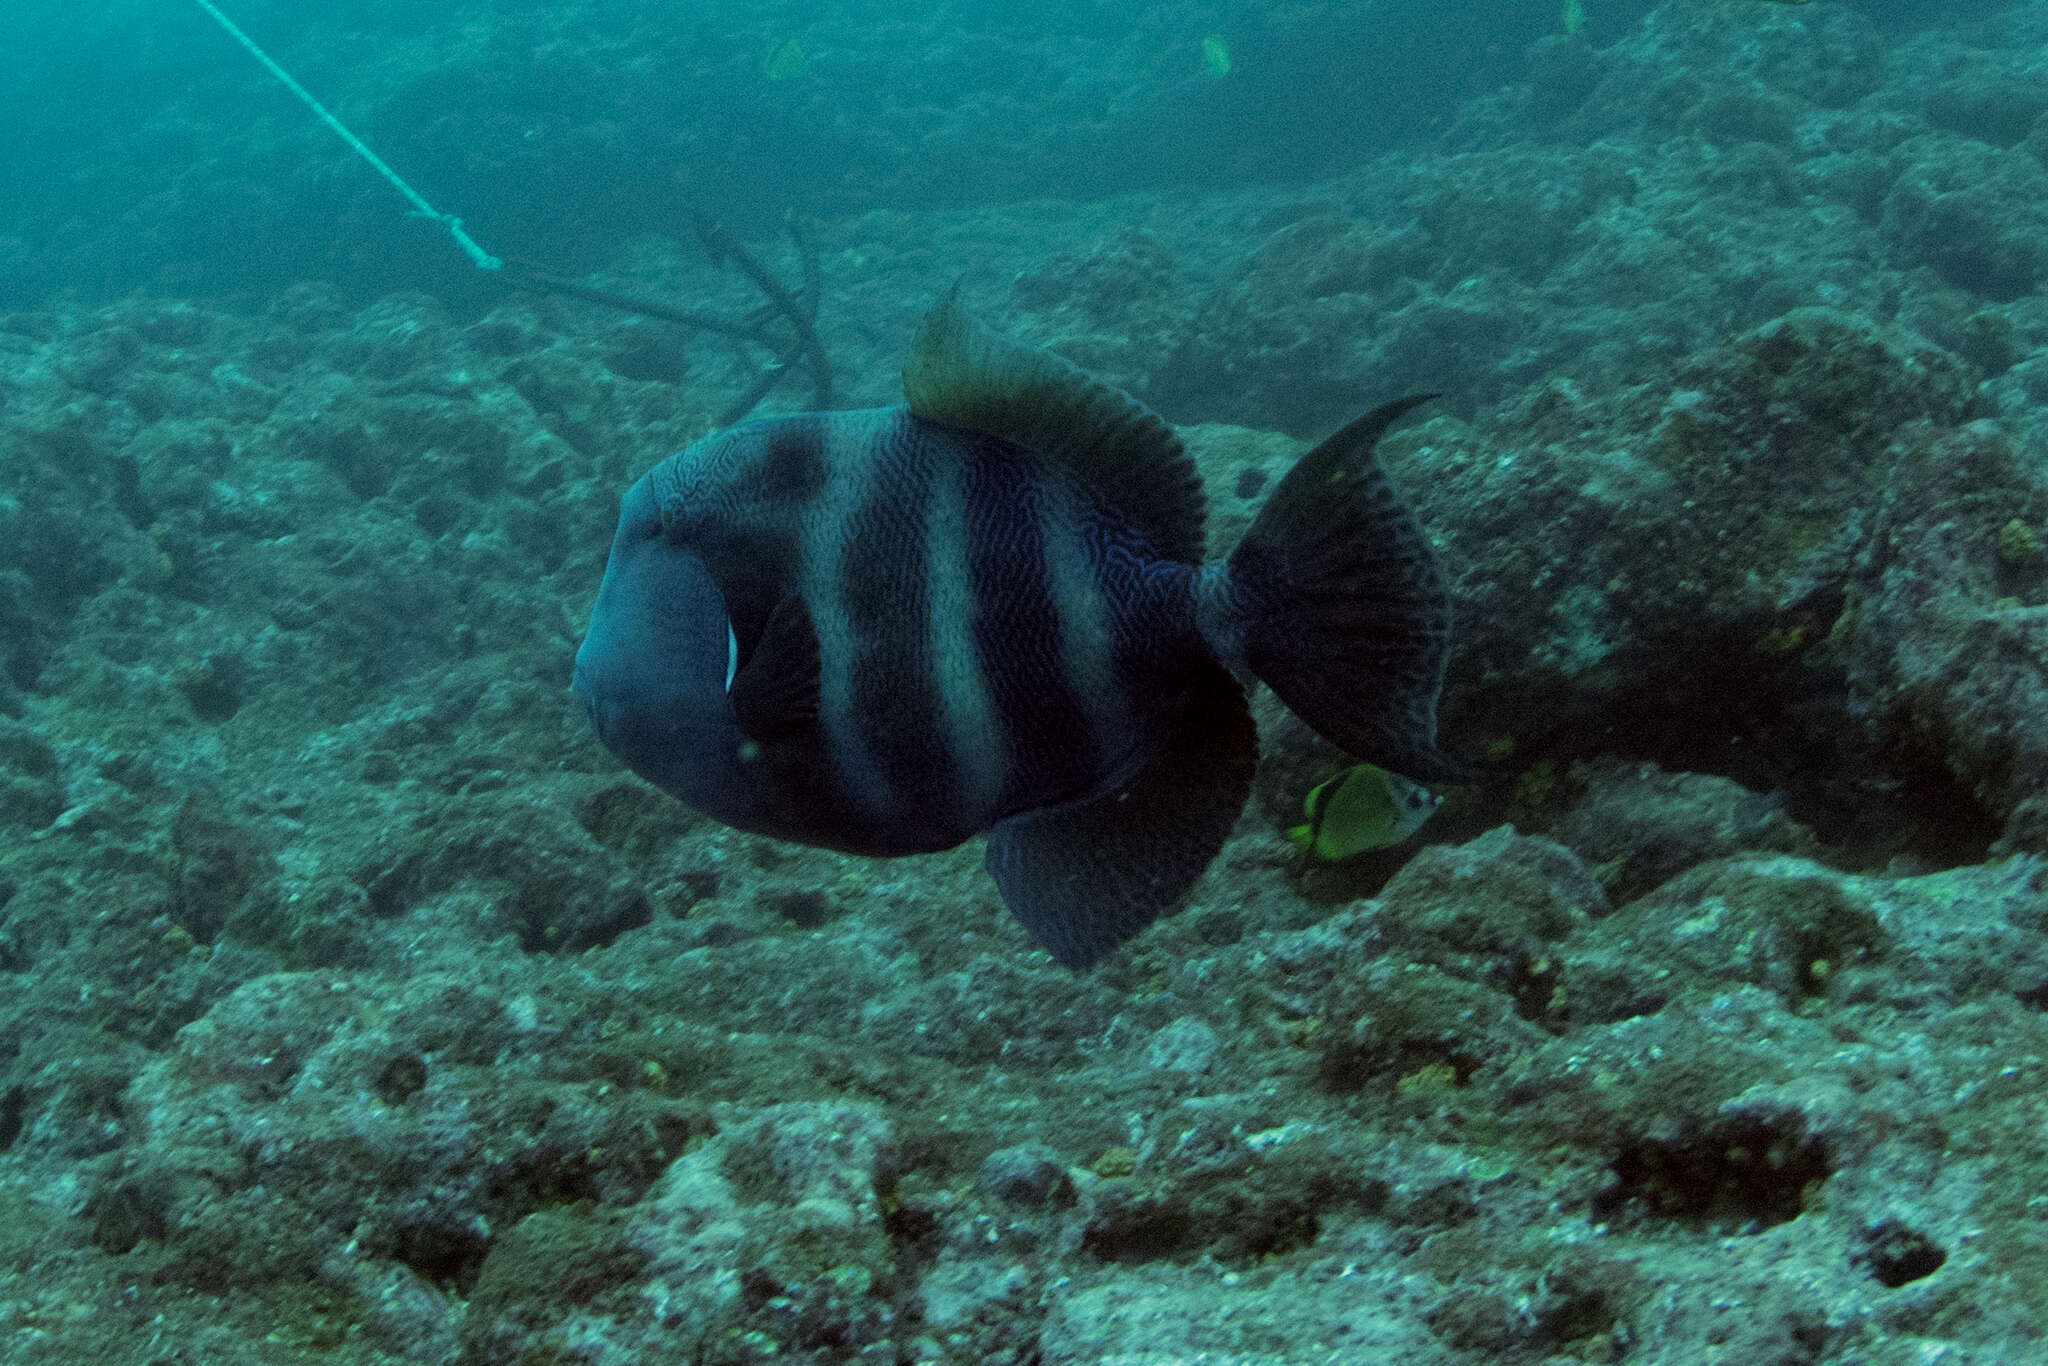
x,y
974,734
826,535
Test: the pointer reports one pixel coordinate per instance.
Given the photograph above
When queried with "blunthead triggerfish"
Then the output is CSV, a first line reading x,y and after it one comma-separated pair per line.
x,y
988,609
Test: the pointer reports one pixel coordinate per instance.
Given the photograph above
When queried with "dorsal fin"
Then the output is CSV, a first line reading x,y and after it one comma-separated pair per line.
x,y
965,375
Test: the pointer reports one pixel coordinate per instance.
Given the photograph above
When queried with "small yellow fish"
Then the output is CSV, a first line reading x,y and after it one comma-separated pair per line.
x,y
1363,808
1215,57
787,62
1574,17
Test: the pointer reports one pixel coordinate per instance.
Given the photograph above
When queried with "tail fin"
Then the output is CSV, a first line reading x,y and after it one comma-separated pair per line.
x,y
1334,600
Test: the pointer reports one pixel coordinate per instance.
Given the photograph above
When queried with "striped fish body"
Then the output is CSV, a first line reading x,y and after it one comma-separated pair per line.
x,y
989,637
888,631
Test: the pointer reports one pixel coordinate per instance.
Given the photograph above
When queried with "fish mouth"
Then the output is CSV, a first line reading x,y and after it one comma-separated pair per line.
x,y
624,724
593,703
600,719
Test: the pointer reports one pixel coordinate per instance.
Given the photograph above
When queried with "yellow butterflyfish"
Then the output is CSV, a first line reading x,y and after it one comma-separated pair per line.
x,y
1363,808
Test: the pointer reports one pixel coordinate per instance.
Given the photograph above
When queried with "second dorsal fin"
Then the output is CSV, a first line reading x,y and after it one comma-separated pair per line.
x,y
965,375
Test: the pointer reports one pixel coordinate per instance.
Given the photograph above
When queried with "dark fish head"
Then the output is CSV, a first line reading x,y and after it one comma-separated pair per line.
x,y
657,660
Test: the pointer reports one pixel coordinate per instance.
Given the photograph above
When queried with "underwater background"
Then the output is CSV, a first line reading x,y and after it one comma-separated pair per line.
x,y
356,1006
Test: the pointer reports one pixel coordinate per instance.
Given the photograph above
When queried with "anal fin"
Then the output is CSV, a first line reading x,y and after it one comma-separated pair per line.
x,y
1085,877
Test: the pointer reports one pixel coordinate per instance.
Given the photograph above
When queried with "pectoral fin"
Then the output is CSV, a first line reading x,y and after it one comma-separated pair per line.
x,y
774,694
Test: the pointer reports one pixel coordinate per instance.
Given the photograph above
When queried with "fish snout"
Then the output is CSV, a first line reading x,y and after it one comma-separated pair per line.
x,y
585,688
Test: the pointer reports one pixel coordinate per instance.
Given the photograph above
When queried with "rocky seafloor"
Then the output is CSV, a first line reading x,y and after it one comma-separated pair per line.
x,y
355,1007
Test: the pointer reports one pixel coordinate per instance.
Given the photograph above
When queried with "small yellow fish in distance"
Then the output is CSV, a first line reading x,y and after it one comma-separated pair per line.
x,y
1215,57
787,62
1361,809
